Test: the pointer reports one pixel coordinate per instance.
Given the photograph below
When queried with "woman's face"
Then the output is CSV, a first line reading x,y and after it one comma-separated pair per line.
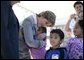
x,y
44,22
77,30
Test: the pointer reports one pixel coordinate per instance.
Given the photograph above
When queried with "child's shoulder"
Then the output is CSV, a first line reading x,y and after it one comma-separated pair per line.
x,y
49,49
74,40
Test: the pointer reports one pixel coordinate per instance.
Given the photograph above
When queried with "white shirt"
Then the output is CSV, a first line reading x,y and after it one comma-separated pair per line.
x,y
72,25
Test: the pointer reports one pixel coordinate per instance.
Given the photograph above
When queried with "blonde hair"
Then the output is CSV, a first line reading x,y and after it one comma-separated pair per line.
x,y
49,15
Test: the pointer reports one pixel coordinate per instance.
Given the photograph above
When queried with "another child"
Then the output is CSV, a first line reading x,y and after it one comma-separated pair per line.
x,y
75,45
56,52
40,52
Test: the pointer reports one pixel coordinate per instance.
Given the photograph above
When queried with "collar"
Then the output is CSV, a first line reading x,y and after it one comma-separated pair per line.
x,y
57,48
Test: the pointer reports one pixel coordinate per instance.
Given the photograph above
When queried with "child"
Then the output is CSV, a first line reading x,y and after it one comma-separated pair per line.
x,y
75,45
56,52
41,33
40,52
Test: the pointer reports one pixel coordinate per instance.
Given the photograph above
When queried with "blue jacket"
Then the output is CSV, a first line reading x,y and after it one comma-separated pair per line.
x,y
58,53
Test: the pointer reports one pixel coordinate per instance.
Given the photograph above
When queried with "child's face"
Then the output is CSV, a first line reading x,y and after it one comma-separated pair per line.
x,y
54,39
77,30
39,31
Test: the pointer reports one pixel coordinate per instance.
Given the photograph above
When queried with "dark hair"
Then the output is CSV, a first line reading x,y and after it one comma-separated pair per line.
x,y
77,3
49,15
43,29
80,22
59,32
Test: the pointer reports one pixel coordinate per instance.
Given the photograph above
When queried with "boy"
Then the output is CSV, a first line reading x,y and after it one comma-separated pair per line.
x,y
55,52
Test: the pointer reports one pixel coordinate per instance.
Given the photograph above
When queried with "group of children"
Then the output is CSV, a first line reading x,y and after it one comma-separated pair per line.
x,y
73,50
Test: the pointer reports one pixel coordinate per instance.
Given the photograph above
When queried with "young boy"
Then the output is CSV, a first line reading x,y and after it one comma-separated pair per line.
x,y
56,52
39,53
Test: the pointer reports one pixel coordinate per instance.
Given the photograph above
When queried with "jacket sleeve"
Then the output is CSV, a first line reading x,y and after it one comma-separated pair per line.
x,y
28,35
